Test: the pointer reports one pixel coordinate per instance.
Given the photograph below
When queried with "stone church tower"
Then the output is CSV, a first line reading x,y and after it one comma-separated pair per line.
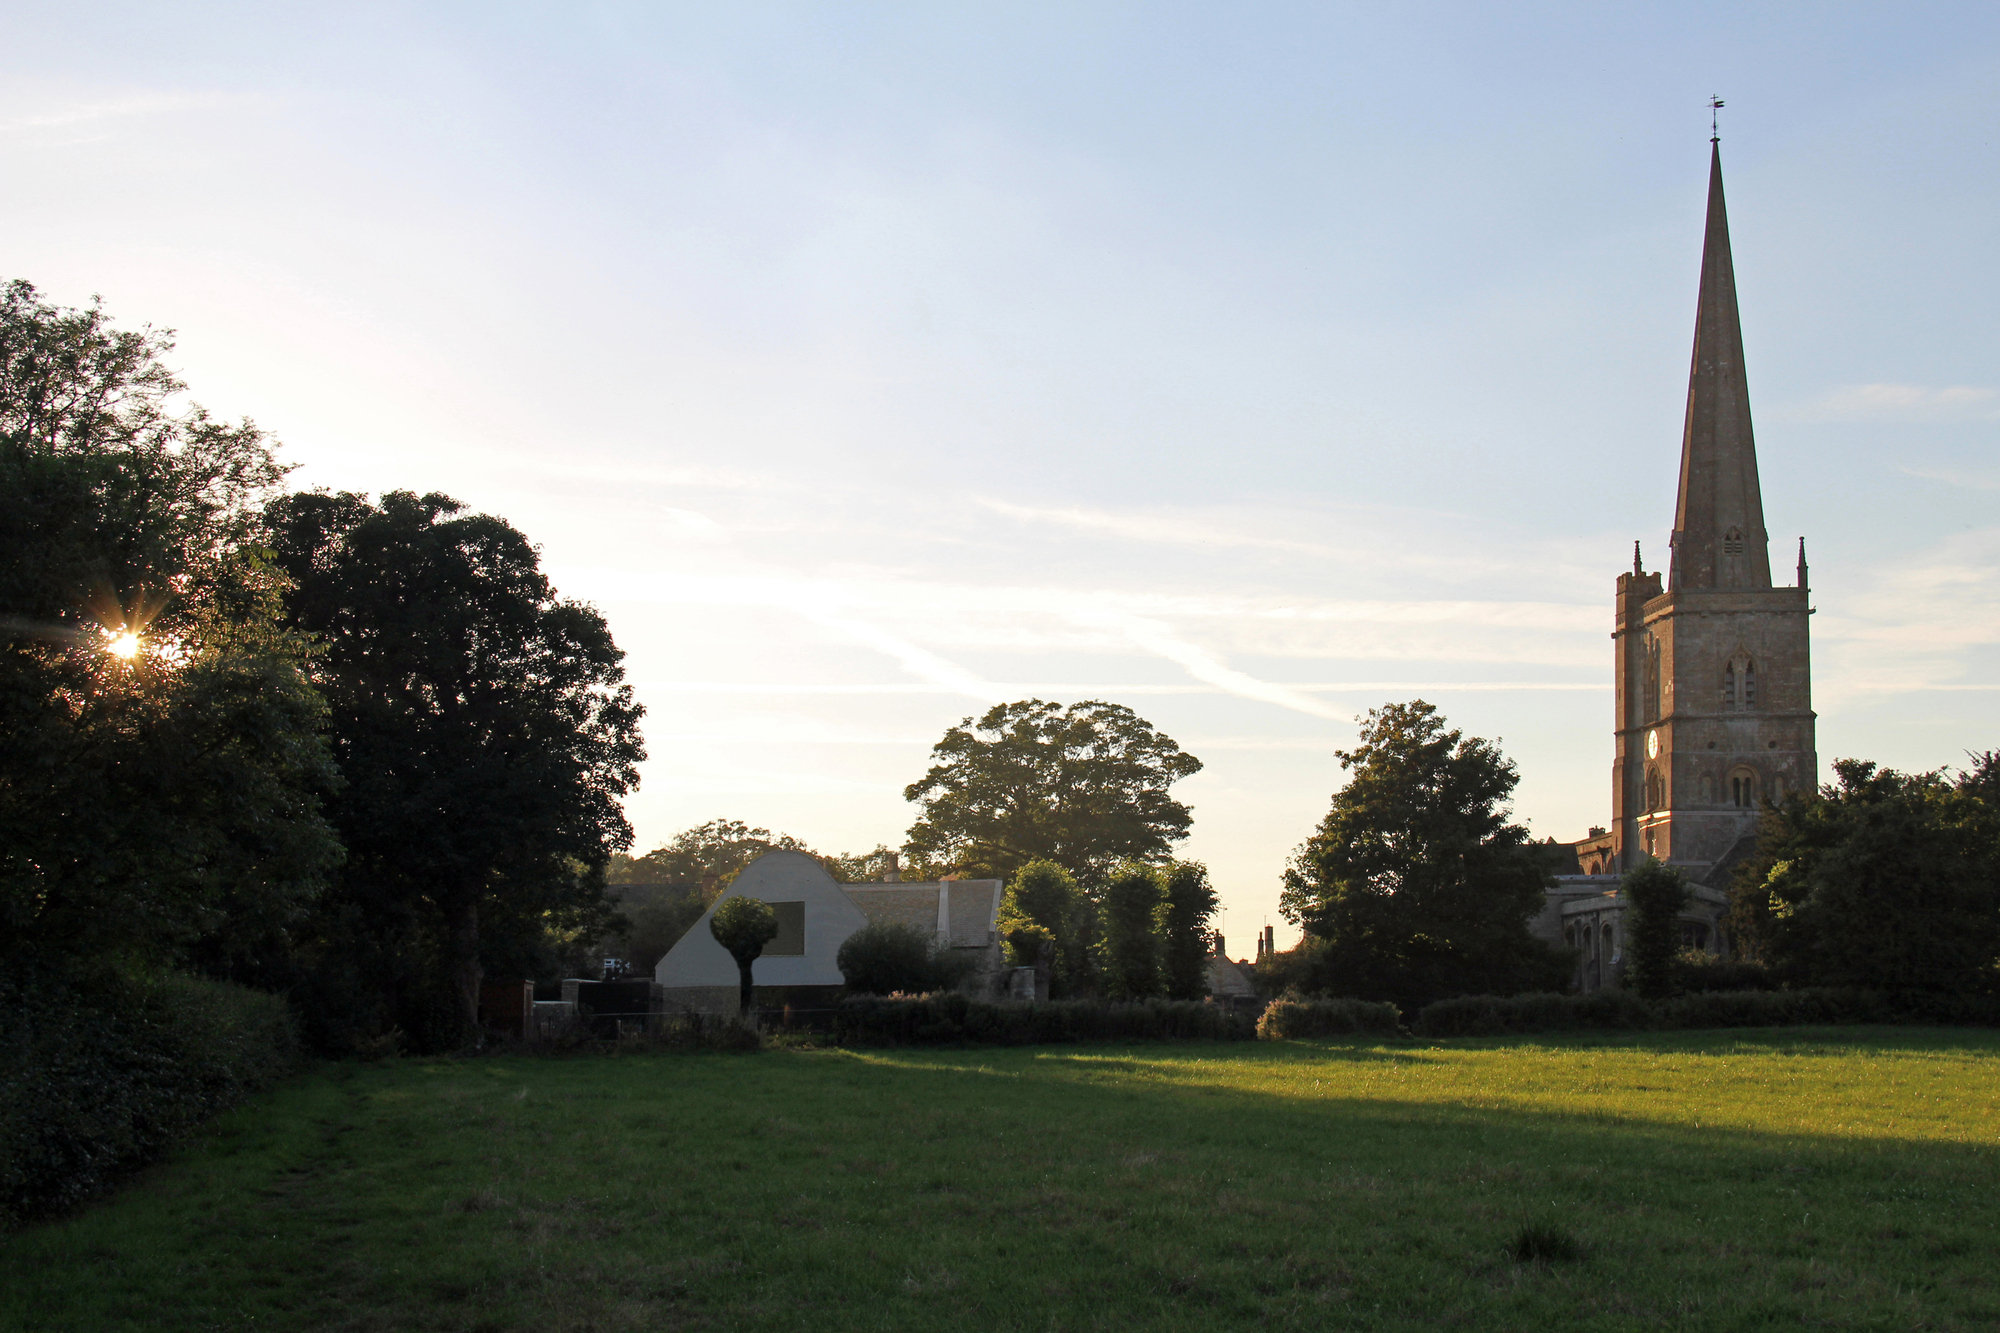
x,y
1714,681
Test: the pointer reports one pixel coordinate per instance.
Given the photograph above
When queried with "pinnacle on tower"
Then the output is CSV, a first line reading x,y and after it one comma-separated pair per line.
x,y
1719,539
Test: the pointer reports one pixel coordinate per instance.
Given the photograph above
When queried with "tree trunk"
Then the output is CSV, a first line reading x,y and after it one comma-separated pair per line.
x,y
743,992
464,974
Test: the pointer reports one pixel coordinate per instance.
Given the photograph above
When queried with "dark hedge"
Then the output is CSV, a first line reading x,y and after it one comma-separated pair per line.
x,y
952,1019
1327,1018
94,1083
1490,1015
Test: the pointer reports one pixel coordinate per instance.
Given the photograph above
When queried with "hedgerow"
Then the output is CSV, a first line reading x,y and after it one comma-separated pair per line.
x,y
953,1019
1327,1018
95,1082
1492,1015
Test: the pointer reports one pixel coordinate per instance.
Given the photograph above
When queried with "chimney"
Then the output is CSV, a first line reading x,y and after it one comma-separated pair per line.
x,y
1220,951
894,874
1270,941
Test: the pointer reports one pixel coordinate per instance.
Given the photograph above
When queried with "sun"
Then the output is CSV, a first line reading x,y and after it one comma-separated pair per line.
x,y
124,645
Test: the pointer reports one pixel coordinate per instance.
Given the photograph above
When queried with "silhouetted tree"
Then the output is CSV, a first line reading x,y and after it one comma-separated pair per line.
x,y
1880,879
1417,883
486,736
161,768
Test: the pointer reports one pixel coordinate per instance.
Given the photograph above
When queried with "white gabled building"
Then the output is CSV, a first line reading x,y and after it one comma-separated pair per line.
x,y
815,917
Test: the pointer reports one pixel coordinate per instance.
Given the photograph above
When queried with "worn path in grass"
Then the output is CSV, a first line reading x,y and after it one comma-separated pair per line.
x,y
1711,1181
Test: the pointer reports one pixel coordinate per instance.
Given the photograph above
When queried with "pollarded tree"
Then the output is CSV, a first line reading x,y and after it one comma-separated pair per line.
x,y
1083,786
1417,883
1187,905
486,735
743,926
1656,894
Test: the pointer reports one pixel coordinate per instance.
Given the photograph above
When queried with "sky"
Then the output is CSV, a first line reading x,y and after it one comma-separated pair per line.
x,y
1249,365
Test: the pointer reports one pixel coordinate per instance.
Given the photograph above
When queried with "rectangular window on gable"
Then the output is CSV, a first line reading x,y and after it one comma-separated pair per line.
x,y
791,937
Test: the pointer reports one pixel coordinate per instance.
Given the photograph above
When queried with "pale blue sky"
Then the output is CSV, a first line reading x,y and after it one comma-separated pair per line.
x,y
1247,364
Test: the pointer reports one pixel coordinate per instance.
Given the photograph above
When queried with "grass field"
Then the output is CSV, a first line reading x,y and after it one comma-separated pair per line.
x,y
1706,1181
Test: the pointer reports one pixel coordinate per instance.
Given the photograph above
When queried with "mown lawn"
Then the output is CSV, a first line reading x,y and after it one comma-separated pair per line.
x,y
1710,1181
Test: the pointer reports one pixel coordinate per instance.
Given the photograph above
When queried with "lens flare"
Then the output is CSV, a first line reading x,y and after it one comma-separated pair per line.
x,y
124,645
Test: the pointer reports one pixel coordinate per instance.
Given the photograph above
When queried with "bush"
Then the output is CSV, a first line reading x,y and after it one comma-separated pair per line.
x,y
950,1019
889,958
1696,971
94,1083
1489,1015
1326,1018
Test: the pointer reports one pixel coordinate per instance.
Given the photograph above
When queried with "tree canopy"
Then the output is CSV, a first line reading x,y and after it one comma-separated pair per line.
x,y
1417,885
486,736
161,772
1880,879
1083,786
743,926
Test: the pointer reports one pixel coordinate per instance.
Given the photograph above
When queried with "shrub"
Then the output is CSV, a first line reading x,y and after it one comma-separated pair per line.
x,y
887,958
951,1019
94,1083
1326,1018
1696,971
1491,1015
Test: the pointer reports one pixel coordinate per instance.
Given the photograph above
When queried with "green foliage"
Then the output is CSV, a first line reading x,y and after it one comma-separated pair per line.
x,y
486,736
153,799
887,958
1656,893
1622,1010
1181,921
1698,970
1128,951
657,915
716,851
96,1081
1881,879
1286,1019
743,926
1083,786
952,1019
1044,902
1416,883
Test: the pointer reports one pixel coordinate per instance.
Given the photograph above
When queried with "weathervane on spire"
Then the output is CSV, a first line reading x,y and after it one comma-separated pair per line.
x,y
1714,134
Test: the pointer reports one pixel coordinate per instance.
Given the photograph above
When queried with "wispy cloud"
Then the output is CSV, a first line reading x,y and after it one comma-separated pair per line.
x,y
1203,666
144,104
1901,402
1169,529
1970,481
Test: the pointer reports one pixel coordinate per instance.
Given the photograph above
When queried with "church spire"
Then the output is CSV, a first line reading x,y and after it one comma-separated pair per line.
x,y
1719,539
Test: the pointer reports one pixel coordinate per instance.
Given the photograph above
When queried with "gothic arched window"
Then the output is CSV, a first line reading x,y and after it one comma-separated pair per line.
x,y
1729,686
1743,789
1652,679
1749,684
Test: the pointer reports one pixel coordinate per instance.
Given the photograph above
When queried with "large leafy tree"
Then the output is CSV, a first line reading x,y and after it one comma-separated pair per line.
x,y
1084,786
1880,879
161,770
486,736
1417,885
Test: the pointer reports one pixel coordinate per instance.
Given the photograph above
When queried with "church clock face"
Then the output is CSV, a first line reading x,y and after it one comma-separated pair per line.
x,y
1652,745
